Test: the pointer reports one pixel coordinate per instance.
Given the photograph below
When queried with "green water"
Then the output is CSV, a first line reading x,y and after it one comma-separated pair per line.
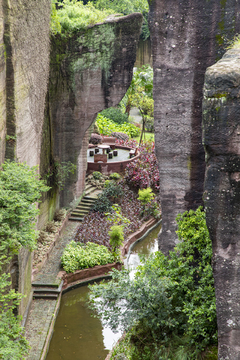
x,y
145,247
79,336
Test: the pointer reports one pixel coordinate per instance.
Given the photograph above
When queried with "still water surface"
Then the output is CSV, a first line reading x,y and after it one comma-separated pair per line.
x,y
77,334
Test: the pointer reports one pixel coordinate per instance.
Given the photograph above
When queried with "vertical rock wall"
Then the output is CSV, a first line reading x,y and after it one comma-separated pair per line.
x,y
221,137
187,37
24,70
90,71
2,86
26,37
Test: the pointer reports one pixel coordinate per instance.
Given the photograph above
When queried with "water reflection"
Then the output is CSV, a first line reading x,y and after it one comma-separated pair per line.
x,y
144,247
77,335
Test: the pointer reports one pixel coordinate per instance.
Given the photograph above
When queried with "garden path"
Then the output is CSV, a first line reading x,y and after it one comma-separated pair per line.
x,y
135,113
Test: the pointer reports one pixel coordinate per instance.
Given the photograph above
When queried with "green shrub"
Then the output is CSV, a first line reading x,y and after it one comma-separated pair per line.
x,y
74,16
107,127
110,194
78,256
115,114
151,209
126,7
116,238
13,345
97,175
107,182
115,176
20,190
145,195
102,204
170,297
149,205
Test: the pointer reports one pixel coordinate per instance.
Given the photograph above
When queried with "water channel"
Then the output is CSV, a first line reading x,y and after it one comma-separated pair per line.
x,y
77,334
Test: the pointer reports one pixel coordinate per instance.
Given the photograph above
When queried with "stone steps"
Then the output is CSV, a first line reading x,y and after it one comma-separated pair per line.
x,y
46,291
84,206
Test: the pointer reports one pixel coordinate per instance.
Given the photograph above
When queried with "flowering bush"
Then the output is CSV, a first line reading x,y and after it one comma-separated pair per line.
x,y
143,172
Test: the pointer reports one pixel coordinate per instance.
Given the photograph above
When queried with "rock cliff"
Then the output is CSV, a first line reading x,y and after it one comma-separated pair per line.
x,y
221,136
24,70
186,37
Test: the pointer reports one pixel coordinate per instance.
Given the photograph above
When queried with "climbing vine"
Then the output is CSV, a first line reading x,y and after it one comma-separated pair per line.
x,y
99,42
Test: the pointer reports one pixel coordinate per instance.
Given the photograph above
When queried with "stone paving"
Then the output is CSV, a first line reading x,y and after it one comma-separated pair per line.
x,y
38,323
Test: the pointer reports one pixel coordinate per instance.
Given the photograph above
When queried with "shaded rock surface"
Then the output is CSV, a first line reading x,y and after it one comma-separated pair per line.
x,y
221,136
24,70
186,38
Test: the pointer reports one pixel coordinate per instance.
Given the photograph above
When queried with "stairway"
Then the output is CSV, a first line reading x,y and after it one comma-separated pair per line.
x,y
46,291
85,204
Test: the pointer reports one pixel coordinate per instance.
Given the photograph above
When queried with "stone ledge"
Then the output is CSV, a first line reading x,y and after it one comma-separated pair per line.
x,y
50,329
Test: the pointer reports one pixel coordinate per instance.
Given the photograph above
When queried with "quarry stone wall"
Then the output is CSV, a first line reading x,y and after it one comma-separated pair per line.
x,y
186,37
221,137
24,70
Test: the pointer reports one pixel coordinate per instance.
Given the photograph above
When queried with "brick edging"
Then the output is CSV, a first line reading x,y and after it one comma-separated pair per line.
x,y
90,273
137,235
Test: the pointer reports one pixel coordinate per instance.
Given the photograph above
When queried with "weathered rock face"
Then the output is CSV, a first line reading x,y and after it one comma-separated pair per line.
x,y
2,88
221,136
187,37
26,39
90,71
24,69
